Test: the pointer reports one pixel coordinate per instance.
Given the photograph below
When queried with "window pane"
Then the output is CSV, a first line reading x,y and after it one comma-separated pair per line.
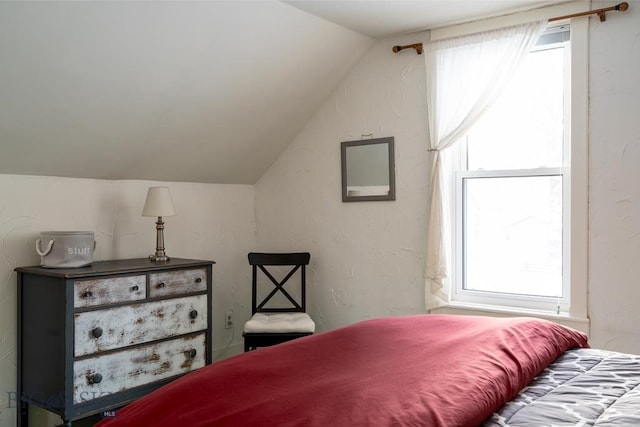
x,y
512,235
524,128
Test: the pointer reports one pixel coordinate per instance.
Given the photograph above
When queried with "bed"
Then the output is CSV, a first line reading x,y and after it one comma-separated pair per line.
x,y
421,370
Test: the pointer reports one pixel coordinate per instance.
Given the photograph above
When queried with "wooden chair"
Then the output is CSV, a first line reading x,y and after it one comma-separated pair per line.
x,y
283,318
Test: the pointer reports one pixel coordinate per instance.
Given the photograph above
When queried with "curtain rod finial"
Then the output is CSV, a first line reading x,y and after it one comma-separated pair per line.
x,y
416,46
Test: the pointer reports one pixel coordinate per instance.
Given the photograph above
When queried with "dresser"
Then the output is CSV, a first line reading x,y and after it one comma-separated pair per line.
x,y
92,339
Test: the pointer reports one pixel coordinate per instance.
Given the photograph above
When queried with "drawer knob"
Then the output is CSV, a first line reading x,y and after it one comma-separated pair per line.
x,y
198,279
191,354
193,314
95,379
87,294
134,288
161,285
97,332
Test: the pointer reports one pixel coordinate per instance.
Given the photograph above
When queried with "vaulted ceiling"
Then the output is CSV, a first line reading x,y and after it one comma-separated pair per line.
x,y
182,90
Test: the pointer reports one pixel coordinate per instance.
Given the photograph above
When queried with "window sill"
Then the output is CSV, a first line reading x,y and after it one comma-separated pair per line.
x,y
580,323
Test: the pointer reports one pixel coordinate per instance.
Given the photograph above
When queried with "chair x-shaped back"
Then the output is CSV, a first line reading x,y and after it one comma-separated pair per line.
x,y
298,261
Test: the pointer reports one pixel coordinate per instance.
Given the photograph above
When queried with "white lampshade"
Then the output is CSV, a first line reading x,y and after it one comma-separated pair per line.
x,y
158,202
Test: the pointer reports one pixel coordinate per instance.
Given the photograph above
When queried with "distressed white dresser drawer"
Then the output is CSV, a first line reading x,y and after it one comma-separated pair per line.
x,y
117,327
177,282
112,373
88,293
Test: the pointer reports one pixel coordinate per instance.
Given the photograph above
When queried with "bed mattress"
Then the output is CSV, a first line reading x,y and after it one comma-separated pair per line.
x,y
583,387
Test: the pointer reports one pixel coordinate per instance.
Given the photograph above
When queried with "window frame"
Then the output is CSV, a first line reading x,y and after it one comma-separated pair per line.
x,y
543,303
575,202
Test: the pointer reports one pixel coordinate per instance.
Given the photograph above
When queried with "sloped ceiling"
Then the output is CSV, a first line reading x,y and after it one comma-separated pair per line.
x,y
196,91
174,91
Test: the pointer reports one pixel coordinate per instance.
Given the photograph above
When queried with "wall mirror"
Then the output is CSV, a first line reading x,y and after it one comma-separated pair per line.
x,y
368,170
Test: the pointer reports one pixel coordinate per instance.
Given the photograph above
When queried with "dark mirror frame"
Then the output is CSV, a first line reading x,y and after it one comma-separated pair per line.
x,y
389,141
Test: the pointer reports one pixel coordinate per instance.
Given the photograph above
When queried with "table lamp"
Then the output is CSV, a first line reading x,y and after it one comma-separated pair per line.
x,y
159,204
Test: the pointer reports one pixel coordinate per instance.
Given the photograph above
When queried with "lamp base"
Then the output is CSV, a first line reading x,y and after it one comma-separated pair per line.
x,y
159,256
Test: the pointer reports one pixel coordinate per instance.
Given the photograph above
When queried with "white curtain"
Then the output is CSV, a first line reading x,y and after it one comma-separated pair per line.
x,y
465,75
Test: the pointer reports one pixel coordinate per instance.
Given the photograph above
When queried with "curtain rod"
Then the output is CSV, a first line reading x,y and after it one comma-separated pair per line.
x,y
600,12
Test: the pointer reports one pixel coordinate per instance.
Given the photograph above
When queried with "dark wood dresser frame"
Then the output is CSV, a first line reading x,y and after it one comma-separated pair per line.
x,y
45,347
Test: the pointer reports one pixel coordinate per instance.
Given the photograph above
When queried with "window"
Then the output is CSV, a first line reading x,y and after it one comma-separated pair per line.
x,y
513,190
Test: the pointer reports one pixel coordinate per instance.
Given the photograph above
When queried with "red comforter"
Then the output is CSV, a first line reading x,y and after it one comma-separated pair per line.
x,y
423,370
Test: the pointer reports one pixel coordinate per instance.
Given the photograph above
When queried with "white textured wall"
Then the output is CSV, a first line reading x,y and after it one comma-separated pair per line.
x,y
614,180
213,222
366,257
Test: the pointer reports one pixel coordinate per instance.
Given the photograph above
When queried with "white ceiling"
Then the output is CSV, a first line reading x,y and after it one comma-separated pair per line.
x,y
380,18
181,90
